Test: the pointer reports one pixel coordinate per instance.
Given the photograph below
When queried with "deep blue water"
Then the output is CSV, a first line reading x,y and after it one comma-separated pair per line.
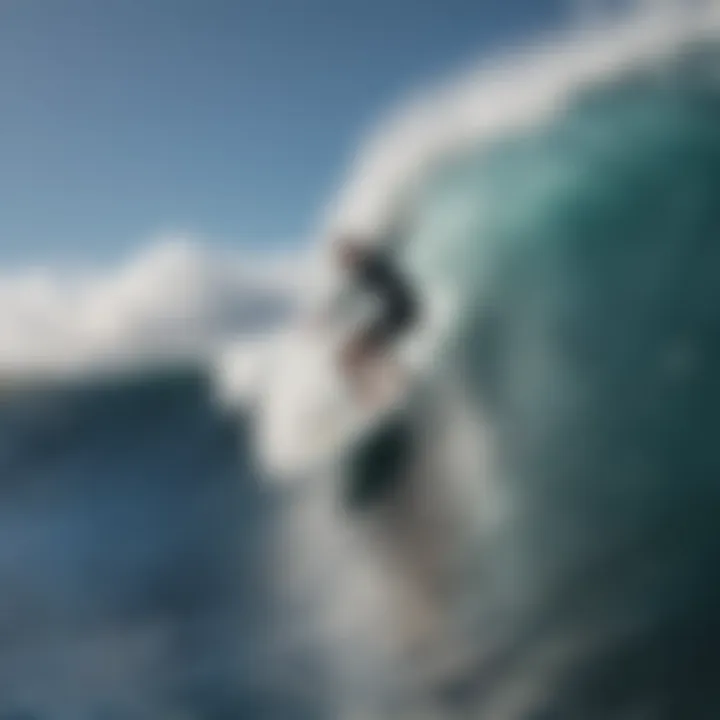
x,y
133,556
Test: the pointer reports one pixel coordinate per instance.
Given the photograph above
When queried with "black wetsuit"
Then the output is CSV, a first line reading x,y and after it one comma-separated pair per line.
x,y
399,308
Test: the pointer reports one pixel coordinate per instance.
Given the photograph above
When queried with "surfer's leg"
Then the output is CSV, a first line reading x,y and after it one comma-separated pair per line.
x,y
369,363
388,372
358,357
367,381
380,376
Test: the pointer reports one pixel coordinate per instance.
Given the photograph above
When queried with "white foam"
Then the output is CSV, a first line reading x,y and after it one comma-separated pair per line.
x,y
175,298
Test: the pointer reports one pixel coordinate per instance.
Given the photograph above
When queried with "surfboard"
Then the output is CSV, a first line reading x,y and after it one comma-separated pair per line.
x,y
310,417
345,420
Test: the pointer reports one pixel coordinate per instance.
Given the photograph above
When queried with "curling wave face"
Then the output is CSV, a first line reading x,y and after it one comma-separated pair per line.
x,y
583,254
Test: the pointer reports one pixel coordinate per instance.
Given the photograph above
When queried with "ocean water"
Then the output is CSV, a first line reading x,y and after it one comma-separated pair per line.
x,y
547,545
533,537
134,557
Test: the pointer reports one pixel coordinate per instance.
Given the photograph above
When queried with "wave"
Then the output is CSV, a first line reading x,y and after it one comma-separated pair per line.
x,y
551,553
134,557
538,537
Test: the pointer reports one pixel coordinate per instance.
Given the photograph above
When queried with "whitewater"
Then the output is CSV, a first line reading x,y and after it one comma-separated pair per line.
x,y
542,543
539,536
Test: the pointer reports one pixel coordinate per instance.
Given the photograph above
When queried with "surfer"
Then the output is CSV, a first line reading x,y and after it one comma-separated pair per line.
x,y
368,349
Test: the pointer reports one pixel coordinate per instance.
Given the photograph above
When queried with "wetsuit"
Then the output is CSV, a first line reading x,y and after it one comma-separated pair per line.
x,y
399,308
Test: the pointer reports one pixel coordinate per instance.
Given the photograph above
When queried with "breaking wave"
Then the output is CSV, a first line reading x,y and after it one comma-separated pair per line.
x,y
544,546
533,536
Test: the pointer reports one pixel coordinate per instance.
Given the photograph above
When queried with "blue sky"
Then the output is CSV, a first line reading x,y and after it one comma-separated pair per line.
x,y
232,119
